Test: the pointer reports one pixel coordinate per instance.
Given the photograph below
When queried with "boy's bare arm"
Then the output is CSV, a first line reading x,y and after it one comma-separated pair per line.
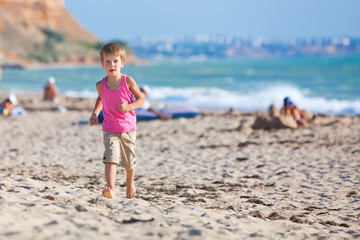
x,y
98,106
123,107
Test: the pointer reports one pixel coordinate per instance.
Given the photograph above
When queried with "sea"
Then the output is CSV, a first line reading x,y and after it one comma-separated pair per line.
x,y
320,84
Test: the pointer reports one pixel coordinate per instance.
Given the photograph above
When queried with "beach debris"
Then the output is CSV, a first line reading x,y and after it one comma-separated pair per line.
x,y
49,197
344,225
281,172
258,201
52,223
275,216
231,208
242,159
253,176
273,184
213,146
257,214
80,208
135,220
28,204
296,219
312,208
329,223
247,143
351,194
255,235
194,232
26,187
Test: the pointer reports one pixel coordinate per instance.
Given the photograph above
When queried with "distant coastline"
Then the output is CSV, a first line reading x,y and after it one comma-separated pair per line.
x,y
204,46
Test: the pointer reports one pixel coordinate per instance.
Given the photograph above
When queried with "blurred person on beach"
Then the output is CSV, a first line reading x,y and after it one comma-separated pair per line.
x,y
8,107
290,109
0,74
51,92
115,99
8,104
145,90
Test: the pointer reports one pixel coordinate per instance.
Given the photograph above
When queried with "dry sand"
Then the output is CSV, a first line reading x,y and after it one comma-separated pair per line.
x,y
201,178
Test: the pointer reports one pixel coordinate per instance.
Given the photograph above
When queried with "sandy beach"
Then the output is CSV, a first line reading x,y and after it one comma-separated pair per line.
x,y
210,177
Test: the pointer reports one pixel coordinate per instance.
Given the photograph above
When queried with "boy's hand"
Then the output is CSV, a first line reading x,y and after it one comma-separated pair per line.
x,y
124,107
93,120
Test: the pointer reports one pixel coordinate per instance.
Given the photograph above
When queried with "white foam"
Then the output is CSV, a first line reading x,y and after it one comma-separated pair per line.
x,y
80,94
216,98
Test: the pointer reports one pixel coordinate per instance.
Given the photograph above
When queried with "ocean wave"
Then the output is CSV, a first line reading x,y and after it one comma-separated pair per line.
x,y
81,94
215,98
219,99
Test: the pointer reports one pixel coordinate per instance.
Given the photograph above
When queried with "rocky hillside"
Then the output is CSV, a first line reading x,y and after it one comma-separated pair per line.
x,y
43,31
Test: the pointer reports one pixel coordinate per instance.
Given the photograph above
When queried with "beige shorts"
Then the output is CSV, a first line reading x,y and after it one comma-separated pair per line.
x,y
120,146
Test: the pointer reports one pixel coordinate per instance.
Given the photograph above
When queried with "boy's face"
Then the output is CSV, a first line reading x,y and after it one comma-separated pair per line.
x,y
112,64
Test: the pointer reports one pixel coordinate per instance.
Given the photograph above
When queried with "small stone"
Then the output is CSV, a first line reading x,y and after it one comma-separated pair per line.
x,y
49,197
194,232
80,208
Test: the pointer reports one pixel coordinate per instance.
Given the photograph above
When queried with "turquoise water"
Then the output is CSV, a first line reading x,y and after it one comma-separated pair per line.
x,y
319,84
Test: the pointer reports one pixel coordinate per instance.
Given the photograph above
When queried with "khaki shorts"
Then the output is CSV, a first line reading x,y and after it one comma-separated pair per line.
x,y
120,146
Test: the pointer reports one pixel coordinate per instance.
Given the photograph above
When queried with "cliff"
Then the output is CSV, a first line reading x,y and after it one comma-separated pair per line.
x,y
43,31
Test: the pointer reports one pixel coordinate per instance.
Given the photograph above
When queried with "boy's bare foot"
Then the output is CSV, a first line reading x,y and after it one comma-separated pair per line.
x,y
108,193
130,191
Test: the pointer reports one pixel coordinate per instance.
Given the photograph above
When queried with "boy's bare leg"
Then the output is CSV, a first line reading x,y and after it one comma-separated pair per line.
x,y
110,175
130,186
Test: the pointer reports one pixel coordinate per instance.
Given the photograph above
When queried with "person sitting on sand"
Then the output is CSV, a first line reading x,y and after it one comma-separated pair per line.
x,y
290,109
147,106
8,105
115,98
51,91
9,108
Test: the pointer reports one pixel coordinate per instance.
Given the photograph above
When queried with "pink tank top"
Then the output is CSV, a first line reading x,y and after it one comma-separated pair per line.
x,y
114,120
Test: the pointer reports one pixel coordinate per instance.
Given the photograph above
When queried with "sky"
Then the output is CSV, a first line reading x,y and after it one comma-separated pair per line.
x,y
121,19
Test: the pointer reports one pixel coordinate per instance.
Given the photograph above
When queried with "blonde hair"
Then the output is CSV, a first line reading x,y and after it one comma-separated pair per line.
x,y
113,48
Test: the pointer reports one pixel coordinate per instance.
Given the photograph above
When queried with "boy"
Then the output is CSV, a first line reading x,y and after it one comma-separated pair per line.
x,y
115,98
